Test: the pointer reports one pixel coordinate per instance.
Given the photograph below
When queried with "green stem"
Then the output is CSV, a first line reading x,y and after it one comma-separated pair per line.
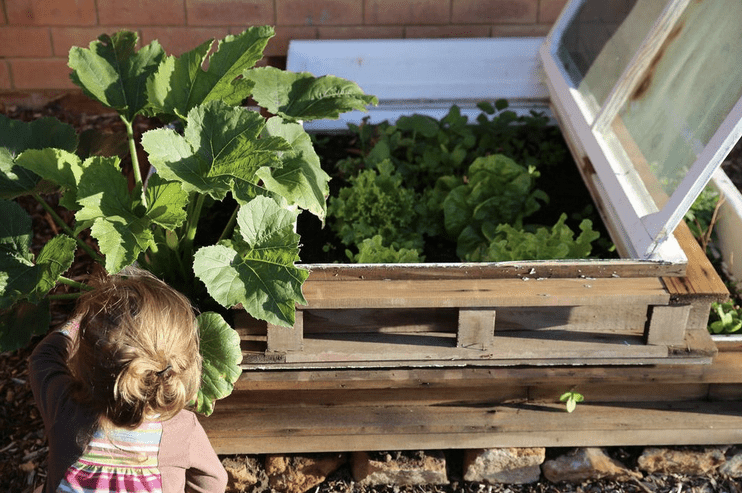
x,y
75,284
68,230
190,236
66,296
134,159
230,225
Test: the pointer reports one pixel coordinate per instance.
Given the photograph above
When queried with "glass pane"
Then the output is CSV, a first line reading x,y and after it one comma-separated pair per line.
x,y
599,42
687,91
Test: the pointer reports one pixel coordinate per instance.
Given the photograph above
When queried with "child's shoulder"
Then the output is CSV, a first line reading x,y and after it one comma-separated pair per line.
x,y
184,419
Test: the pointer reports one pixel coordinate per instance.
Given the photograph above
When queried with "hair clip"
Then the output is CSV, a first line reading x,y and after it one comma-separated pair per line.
x,y
162,372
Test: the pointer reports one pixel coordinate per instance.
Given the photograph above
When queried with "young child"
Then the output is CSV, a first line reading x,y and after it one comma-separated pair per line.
x,y
112,386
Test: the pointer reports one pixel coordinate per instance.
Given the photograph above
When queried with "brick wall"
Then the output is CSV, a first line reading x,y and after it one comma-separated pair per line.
x,y
36,35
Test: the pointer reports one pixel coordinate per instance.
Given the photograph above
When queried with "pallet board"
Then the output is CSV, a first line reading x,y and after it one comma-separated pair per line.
x,y
474,407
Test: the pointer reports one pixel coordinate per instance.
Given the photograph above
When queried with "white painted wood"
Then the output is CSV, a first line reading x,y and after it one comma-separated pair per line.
x,y
426,76
729,223
645,228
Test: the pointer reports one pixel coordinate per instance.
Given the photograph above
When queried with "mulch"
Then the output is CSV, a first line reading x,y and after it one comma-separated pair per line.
x,y
23,446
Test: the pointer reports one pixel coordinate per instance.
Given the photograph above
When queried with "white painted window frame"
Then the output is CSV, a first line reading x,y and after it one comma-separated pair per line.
x,y
645,232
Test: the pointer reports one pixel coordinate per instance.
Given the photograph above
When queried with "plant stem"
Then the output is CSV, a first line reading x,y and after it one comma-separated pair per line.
x,y
65,296
75,284
230,224
193,217
134,159
68,230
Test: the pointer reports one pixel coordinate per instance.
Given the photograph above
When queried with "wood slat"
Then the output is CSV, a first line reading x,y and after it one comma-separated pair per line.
x,y
549,347
725,369
701,279
484,292
578,268
404,427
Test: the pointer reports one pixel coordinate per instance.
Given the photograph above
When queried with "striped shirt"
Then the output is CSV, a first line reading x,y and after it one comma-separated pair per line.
x,y
118,460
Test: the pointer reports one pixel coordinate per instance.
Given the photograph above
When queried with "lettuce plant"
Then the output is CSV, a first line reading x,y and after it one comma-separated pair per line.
x,y
215,151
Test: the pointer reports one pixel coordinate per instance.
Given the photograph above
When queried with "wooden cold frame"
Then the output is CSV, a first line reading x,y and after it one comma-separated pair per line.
x,y
649,309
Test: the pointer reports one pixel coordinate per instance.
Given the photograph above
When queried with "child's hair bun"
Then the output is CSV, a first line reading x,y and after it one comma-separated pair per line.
x,y
137,352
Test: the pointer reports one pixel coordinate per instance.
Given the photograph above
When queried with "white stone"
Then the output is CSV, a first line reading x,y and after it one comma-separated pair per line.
x,y
504,465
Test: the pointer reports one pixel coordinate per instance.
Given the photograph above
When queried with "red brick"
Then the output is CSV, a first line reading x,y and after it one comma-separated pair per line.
x,y
494,11
141,12
25,42
520,30
549,10
4,75
46,73
407,12
449,31
279,45
51,12
318,13
64,38
227,13
361,32
178,40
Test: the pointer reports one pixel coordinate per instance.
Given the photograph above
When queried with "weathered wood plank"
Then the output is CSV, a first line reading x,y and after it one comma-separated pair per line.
x,y
281,339
476,328
327,428
701,279
667,324
726,368
534,269
484,292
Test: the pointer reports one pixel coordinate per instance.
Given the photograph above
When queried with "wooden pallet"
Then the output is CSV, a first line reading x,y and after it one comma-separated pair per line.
x,y
602,312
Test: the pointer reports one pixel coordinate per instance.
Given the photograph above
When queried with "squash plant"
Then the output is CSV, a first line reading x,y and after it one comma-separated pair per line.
x,y
213,151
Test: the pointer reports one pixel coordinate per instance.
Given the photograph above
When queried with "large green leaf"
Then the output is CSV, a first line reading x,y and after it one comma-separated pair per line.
x,y
112,72
166,202
16,137
301,96
120,223
63,168
16,259
220,349
21,322
220,152
20,277
257,269
181,84
301,179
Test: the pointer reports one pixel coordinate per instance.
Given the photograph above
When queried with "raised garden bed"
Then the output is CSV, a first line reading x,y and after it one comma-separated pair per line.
x,y
648,307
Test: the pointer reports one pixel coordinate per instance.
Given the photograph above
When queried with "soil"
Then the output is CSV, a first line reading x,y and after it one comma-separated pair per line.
x,y
23,446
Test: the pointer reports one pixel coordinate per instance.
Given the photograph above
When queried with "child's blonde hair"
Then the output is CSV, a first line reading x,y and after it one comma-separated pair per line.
x,y
136,355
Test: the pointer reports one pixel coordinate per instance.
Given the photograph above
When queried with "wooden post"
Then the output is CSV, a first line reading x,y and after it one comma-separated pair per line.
x,y
283,339
667,324
476,328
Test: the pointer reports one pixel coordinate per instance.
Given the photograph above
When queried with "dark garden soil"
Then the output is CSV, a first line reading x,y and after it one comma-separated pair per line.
x,y
23,447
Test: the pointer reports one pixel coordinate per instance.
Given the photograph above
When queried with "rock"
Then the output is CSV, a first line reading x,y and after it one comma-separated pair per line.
x,y
586,464
504,465
732,467
299,473
242,473
399,469
681,461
